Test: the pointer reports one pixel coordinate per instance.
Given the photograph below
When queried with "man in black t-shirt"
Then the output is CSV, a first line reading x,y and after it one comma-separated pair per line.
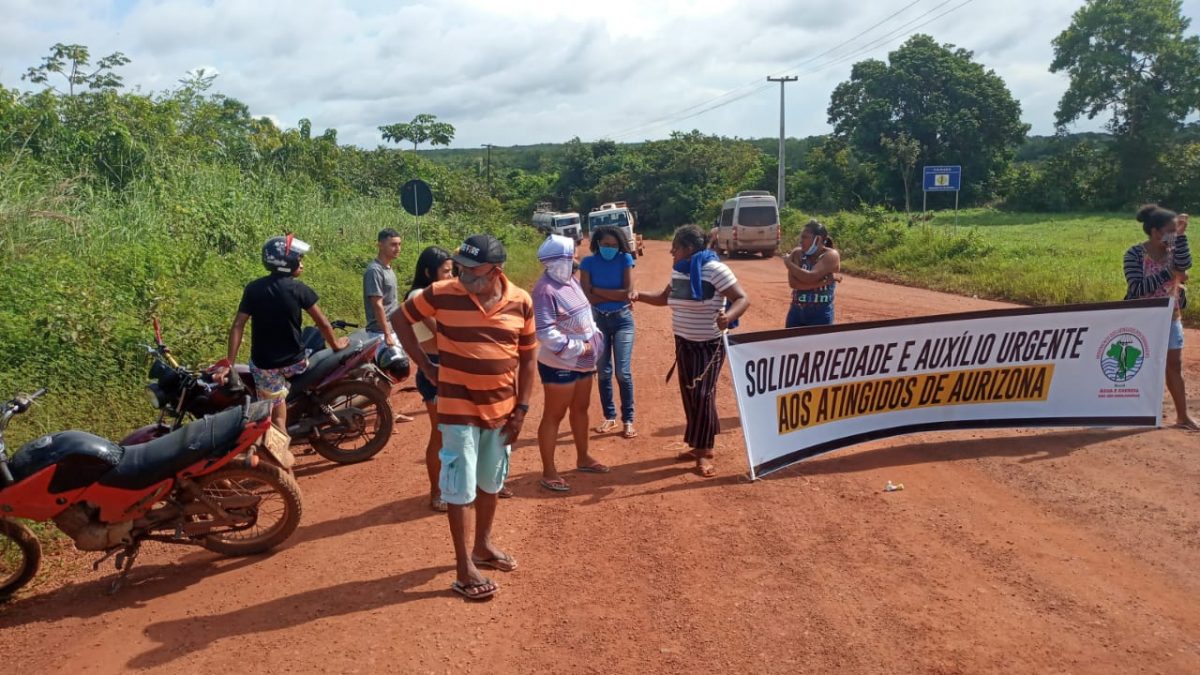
x,y
272,304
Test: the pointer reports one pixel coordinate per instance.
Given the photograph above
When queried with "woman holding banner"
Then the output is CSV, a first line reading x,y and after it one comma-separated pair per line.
x,y
812,275
699,287
1157,268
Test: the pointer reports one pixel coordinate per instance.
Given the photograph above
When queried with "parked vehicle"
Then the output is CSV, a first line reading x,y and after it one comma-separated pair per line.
x,y
620,216
336,406
548,221
749,224
202,484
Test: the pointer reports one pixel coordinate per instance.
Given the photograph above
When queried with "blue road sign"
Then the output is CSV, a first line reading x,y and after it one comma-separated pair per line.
x,y
943,178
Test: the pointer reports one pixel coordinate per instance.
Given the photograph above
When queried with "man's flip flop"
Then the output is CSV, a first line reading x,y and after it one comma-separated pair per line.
x,y
559,485
472,592
505,564
594,468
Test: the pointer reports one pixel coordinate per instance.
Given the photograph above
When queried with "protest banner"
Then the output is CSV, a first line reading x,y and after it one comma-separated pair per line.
x,y
805,391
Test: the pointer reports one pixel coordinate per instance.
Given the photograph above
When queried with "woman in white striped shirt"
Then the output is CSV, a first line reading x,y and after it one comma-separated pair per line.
x,y
697,294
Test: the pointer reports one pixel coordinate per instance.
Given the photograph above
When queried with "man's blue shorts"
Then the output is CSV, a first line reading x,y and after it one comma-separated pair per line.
x,y
471,458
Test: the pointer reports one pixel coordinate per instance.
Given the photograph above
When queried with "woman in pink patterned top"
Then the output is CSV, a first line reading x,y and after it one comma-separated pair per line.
x,y
569,343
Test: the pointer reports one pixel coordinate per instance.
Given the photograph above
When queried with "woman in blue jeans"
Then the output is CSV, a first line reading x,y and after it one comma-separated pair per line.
x,y
813,268
606,279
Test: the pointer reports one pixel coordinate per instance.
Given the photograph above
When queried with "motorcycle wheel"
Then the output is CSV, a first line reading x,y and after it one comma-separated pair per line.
x,y
276,512
367,410
20,557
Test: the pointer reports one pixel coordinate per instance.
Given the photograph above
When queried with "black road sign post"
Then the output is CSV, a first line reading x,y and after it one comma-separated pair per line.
x,y
417,198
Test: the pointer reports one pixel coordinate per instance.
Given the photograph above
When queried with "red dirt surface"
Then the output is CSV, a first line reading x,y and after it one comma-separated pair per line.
x,y
1018,551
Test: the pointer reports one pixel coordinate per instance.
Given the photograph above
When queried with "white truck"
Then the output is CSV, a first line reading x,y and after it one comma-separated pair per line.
x,y
548,221
621,217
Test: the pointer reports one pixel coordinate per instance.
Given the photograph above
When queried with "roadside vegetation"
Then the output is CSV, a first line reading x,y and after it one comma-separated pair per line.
x,y
117,206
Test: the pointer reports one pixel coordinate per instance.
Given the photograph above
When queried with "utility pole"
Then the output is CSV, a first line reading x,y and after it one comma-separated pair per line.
x,y
782,81
489,166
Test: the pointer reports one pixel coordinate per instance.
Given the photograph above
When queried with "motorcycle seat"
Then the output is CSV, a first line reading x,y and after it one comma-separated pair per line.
x,y
323,363
211,437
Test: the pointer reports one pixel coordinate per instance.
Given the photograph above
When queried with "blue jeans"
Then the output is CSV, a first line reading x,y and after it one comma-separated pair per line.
x,y
815,314
617,328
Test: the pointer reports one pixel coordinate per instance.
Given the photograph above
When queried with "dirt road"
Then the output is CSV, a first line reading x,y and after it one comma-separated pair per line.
x,y
1019,551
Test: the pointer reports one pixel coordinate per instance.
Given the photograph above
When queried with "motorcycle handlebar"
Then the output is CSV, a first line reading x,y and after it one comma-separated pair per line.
x,y
22,403
339,324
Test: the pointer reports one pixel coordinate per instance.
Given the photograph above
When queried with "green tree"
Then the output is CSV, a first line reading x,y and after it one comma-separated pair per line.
x,y
422,128
958,112
73,62
903,153
1130,59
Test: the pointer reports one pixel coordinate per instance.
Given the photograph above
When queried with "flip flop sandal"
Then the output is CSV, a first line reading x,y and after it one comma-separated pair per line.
x,y
707,471
504,564
504,493
687,456
465,590
401,417
606,426
438,504
629,432
594,468
559,485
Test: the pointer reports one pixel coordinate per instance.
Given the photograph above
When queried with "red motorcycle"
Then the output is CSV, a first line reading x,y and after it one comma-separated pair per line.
x,y
201,485
336,406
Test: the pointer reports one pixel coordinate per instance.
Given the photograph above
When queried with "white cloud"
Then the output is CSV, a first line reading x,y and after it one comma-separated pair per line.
x,y
526,71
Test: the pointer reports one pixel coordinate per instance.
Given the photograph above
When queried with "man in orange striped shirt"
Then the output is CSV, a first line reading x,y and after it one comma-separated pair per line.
x,y
486,338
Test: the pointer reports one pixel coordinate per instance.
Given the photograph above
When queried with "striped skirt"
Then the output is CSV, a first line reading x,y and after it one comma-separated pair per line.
x,y
699,365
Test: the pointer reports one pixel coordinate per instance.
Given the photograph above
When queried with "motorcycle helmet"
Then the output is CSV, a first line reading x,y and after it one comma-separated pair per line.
x,y
283,254
394,362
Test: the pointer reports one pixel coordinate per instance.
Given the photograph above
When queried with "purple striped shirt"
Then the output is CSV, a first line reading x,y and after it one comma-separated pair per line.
x,y
564,324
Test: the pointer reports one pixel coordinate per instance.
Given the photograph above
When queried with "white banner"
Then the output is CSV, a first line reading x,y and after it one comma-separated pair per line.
x,y
805,391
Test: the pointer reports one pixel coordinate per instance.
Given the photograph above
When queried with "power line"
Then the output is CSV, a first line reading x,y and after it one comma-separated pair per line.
x,y
905,29
756,85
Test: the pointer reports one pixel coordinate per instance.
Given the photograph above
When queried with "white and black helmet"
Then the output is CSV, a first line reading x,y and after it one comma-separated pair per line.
x,y
283,254
394,362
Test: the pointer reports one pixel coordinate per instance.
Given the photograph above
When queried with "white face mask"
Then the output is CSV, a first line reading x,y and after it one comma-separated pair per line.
x,y
1168,240
560,269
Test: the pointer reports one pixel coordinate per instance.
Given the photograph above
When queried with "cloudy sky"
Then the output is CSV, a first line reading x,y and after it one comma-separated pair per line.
x,y
527,71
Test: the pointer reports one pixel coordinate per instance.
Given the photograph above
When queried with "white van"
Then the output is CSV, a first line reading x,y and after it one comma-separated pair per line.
x,y
552,222
749,224
618,215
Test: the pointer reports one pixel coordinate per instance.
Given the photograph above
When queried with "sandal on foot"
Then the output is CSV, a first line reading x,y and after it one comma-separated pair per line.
x,y
629,432
503,562
504,493
687,456
594,468
606,426
475,591
438,504
401,417
557,485
706,470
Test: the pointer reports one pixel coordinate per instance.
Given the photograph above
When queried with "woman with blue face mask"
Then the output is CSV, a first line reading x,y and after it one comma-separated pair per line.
x,y
1157,268
813,269
606,278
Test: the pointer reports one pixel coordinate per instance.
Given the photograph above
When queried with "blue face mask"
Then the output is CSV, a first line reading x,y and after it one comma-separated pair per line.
x,y
812,249
608,252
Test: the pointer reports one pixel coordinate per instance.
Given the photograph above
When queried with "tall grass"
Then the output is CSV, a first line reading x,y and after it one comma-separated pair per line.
x,y
1030,258
82,272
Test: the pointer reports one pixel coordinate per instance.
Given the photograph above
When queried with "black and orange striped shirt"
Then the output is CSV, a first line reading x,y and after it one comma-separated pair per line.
x,y
479,351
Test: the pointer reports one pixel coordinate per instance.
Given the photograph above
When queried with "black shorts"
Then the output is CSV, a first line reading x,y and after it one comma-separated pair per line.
x,y
428,389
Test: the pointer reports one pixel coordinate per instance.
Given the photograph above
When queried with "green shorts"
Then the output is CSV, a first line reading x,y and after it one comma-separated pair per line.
x,y
471,458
